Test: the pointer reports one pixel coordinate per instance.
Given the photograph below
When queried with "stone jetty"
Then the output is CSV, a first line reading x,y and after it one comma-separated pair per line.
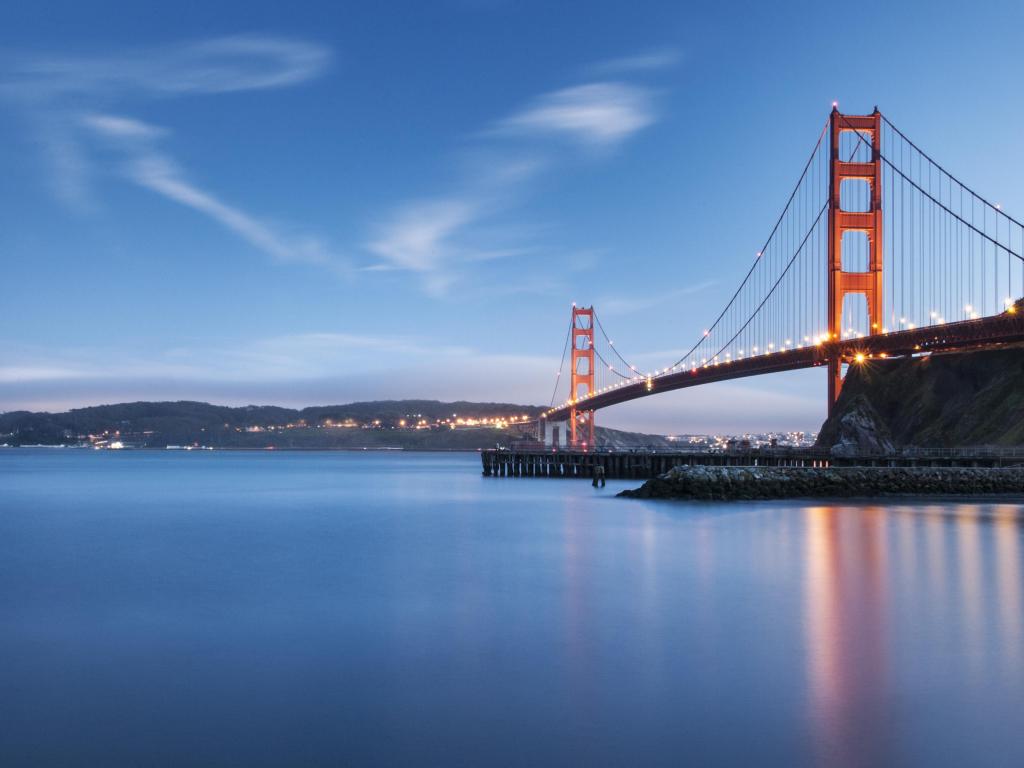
x,y
712,483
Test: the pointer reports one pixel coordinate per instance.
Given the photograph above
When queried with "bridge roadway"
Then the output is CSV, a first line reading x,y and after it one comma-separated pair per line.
x,y
1004,328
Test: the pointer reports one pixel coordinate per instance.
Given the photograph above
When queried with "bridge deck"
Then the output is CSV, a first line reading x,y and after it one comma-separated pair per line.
x,y
1007,327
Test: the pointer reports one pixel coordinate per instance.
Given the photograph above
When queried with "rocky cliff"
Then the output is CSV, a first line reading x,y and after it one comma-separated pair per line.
x,y
947,400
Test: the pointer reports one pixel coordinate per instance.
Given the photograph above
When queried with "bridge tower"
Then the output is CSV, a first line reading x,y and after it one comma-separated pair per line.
x,y
842,283
581,420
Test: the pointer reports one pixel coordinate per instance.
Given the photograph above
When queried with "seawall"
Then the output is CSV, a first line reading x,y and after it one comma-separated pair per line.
x,y
737,483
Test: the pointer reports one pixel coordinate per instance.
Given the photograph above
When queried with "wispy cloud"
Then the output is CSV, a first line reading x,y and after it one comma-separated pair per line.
x,y
216,65
60,92
115,126
297,369
649,61
418,237
438,237
282,357
625,305
159,173
597,114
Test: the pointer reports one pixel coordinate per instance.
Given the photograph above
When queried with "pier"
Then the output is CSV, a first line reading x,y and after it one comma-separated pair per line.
x,y
534,461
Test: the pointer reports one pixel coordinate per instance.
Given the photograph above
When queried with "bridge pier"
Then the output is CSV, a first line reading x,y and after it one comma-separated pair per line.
x,y
553,434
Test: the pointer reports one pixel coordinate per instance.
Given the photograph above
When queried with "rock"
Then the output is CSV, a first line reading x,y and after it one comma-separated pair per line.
x,y
729,483
953,399
861,432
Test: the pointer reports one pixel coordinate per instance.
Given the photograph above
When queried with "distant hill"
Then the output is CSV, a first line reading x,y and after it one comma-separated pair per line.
x,y
375,424
945,400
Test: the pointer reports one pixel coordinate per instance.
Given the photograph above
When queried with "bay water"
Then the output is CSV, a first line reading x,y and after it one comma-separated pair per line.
x,y
345,608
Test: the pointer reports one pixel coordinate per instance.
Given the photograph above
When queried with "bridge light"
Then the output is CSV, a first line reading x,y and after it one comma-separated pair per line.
x,y
903,321
968,308
706,332
911,326
1012,309
859,357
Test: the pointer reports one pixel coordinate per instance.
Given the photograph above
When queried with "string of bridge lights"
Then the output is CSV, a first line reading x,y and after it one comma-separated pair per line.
x,y
809,341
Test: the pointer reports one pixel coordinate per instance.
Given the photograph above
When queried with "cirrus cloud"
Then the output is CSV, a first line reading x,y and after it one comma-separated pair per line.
x,y
60,93
599,114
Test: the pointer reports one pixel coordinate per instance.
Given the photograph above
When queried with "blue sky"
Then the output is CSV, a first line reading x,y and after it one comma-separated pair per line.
x,y
319,202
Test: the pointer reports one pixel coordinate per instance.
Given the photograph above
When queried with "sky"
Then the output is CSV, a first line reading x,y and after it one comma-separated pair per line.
x,y
313,203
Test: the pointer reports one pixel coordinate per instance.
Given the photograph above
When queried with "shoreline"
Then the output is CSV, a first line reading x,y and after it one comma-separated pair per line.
x,y
244,449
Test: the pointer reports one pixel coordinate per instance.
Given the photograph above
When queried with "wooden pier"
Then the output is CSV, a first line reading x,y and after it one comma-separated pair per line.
x,y
643,465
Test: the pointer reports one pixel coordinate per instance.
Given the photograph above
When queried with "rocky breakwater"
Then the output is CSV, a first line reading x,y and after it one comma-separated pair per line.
x,y
737,483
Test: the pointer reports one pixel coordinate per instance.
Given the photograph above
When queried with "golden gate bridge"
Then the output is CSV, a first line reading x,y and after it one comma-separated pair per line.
x,y
879,252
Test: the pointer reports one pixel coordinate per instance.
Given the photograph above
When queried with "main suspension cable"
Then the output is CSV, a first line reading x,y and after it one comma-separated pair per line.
x,y
561,365
757,259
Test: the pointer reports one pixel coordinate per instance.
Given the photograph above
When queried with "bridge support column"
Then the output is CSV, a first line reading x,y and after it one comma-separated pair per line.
x,y
581,420
841,282
553,432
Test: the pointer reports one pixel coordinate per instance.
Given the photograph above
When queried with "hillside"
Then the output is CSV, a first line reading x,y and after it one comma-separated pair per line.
x,y
369,424
947,400
407,424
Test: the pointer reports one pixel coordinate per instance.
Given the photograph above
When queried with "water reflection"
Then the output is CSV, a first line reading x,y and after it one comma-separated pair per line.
x,y
868,594
846,626
1008,533
966,533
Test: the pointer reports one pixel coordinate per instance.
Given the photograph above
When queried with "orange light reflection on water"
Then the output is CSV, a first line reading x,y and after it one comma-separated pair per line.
x,y
874,574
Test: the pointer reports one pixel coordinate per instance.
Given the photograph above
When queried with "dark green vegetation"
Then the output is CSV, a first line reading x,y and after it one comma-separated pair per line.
x,y
945,400
380,424
367,424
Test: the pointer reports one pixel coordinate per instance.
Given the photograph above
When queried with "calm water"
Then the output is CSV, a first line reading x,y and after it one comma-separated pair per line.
x,y
336,608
